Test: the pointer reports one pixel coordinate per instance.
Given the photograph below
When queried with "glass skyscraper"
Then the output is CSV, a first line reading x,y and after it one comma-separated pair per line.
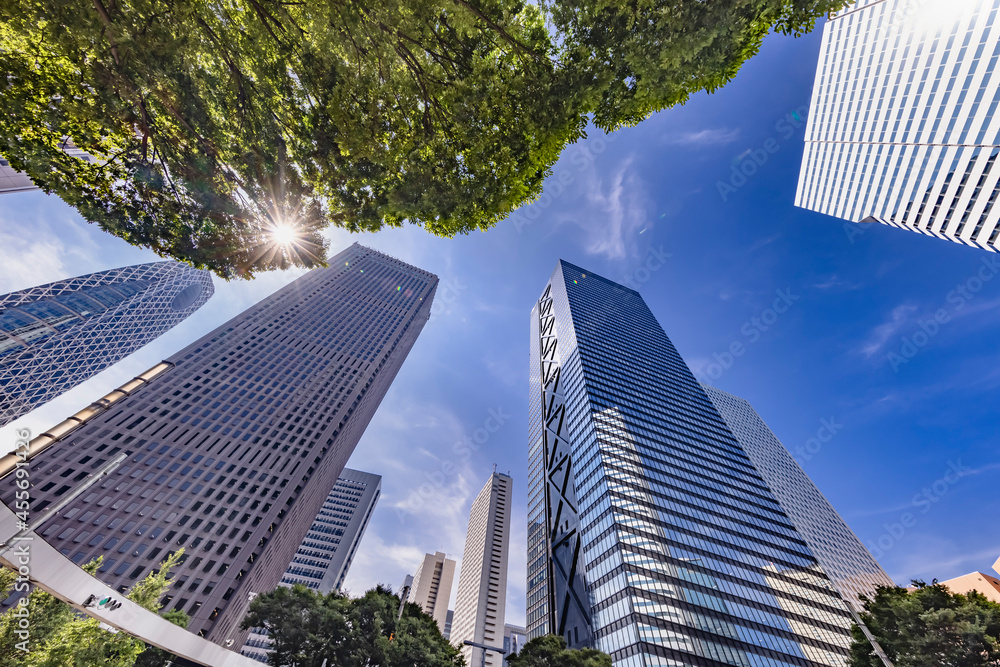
x,y
55,336
652,536
902,127
841,554
234,447
327,551
12,180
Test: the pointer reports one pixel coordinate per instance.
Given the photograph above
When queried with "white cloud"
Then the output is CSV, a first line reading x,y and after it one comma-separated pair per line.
x,y
615,210
708,137
898,319
29,262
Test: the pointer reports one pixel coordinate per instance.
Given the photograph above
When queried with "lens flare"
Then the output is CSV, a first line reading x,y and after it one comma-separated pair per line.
x,y
284,234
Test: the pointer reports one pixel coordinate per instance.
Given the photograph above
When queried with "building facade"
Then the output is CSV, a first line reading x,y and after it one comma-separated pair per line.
x,y
902,127
327,551
850,566
448,620
12,180
514,639
652,535
55,336
986,583
233,449
482,585
431,587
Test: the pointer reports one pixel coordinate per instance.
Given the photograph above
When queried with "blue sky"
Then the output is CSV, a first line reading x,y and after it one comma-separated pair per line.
x,y
612,205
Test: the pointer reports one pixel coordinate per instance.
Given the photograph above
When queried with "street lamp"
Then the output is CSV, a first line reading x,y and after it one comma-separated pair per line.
x,y
485,649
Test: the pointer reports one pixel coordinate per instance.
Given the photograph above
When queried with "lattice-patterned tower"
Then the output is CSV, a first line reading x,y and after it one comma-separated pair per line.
x,y
55,336
652,536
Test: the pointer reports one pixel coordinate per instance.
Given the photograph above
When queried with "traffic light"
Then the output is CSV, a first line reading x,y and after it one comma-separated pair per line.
x,y
107,602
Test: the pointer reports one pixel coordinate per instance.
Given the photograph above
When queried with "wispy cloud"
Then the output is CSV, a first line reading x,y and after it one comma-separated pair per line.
x,y
616,209
941,559
836,282
27,262
898,319
719,136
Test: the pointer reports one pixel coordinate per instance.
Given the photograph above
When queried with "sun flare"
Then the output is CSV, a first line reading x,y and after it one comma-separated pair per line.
x,y
284,234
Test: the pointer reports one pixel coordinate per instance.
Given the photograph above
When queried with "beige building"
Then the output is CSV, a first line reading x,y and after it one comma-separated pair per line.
x,y
987,584
482,585
431,588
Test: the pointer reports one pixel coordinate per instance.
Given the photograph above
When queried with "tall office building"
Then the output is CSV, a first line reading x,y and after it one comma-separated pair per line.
x,y
514,639
55,336
234,442
902,127
327,551
448,620
482,585
12,180
840,553
431,587
652,536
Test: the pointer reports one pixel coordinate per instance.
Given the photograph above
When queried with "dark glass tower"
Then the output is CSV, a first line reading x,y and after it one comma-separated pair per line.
x,y
651,535
234,449
55,336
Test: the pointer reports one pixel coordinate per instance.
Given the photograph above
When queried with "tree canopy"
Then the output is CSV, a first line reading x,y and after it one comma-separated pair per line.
x,y
646,55
929,627
215,126
307,628
551,651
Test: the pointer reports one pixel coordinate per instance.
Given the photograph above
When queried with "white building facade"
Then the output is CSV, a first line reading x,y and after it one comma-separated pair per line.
x,y
431,587
482,584
902,127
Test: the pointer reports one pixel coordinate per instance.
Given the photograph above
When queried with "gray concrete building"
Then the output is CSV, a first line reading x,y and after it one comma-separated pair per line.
x,y
327,551
233,448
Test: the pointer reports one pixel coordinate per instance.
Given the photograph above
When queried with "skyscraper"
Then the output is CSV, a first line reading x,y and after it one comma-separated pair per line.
x,y
482,585
327,551
448,620
12,180
55,336
850,566
431,587
652,536
234,446
514,639
902,127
